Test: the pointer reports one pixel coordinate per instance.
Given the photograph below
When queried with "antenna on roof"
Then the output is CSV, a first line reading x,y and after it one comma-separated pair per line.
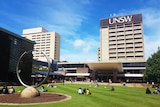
x,y
112,15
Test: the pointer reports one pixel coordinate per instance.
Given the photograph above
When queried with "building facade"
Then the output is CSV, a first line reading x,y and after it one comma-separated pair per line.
x,y
12,46
49,42
120,55
121,38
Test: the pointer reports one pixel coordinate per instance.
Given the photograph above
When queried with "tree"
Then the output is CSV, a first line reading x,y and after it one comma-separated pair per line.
x,y
152,72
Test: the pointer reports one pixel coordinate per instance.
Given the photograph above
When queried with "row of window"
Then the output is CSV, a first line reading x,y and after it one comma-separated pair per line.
x,y
47,35
125,35
135,64
125,57
122,31
114,53
125,25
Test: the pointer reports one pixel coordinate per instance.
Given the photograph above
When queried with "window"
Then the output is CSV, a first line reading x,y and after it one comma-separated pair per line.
x,y
15,41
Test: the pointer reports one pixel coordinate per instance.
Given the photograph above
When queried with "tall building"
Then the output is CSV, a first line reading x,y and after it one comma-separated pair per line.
x,y
121,39
49,42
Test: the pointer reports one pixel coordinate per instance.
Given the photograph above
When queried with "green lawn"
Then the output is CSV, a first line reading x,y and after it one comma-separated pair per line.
x,y
101,97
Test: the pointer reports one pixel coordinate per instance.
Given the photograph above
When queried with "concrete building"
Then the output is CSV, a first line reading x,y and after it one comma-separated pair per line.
x,y
121,38
121,52
49,42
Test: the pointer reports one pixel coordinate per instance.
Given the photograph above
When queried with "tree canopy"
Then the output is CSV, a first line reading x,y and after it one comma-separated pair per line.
x,y
152,72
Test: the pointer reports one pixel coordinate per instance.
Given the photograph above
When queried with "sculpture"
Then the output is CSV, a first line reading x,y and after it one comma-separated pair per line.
x,y
30,90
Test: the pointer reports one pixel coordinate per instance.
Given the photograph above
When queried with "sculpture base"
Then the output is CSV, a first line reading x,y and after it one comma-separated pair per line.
x,y
30,92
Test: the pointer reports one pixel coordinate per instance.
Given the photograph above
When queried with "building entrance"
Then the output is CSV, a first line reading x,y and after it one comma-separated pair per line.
x,y
105,76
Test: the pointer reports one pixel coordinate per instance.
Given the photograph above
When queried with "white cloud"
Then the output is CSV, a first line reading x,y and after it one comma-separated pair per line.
x,y
87,48
80,50
151,46
78,43
151,30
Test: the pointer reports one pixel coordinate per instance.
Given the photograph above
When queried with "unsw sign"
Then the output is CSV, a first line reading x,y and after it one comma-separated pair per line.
x,y
122,19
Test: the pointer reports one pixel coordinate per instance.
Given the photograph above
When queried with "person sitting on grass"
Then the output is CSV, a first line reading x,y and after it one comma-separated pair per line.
x,y
42,89
148,91
5,90
79,91
88,92
84,91
11,90
112,89
156,91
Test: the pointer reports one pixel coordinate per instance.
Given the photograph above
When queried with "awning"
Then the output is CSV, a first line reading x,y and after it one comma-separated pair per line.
x,y
105,66
77,74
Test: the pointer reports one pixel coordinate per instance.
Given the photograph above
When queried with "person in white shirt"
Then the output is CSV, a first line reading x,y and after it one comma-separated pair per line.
x,y
79,91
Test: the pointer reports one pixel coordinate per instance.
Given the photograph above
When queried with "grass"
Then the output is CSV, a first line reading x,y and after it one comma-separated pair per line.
x,y
101,97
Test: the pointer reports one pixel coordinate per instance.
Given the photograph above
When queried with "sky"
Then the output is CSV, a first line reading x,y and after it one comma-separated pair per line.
x,y
78,22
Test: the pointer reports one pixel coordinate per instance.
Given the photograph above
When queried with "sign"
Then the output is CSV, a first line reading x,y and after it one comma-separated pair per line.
x,y
120,20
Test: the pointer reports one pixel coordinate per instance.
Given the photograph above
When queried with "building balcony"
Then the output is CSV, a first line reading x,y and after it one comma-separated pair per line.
x,y
137,27
113,46
139,54
129,45
138,44
129,32
121,50
138,31
120,33
112,38
112,30
121,46
120,29
112,55
130,36
138,40
121,54
110,51
129,41
112,42
128,28
129,54
138,36
129,50
112,34
138,49
120,42
120,37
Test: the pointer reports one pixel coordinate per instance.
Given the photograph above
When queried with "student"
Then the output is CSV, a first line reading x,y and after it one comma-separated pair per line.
x,y
79,91
42,89
5,90
112,89
156,91
148,91
88,92
11,90
84,91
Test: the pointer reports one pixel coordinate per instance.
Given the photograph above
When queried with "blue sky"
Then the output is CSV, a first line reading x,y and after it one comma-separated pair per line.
x,y
78,22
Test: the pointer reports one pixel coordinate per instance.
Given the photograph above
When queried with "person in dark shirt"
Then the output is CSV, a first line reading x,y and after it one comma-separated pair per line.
x,y
5,90
148,91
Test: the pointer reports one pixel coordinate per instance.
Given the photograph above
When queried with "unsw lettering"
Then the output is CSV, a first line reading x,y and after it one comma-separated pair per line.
x,y
120,19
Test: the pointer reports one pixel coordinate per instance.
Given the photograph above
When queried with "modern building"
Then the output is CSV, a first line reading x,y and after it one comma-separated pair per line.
x,y
12,46
121,38
121,52
48,42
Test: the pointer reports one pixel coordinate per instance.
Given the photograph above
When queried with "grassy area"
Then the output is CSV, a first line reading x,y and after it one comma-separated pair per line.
x,y
101,97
